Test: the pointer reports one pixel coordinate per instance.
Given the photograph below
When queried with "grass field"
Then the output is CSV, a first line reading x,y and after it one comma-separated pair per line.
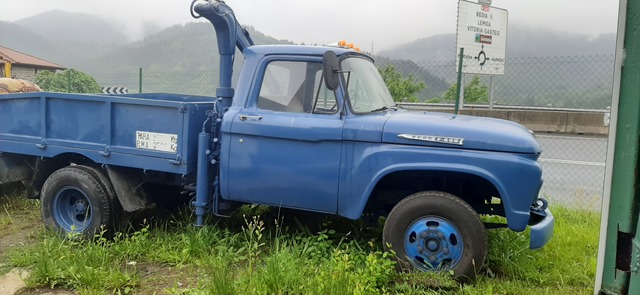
x,y
263,251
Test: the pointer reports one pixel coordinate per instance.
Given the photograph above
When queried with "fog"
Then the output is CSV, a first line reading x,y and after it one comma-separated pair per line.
x,y
367,23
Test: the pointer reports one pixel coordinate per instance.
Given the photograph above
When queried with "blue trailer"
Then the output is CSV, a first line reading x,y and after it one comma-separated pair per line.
x,y
307,127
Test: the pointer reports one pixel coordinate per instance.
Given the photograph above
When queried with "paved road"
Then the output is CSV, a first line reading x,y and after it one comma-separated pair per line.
x,y
573,169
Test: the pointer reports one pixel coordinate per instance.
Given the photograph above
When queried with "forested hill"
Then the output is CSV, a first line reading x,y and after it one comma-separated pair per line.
x,y
521,42
75,27
186,55
190,46
93,44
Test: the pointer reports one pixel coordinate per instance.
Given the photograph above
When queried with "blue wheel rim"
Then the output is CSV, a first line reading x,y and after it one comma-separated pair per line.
x,y
433,243
72,209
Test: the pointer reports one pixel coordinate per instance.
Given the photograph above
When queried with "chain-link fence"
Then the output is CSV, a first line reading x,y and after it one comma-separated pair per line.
x,y
573,164
576,82
573,169
573,82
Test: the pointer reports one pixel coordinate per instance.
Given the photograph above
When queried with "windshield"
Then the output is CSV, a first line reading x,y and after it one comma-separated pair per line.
x,y
367,91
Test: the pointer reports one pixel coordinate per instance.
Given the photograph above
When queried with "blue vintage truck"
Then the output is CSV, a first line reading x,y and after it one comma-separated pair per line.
x,y
307,127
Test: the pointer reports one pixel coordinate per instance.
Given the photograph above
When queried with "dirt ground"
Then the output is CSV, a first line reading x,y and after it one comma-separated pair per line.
x,y
19,225
12,282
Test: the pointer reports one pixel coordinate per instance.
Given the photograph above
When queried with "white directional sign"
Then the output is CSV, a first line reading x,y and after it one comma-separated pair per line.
x,y
115,90
482,32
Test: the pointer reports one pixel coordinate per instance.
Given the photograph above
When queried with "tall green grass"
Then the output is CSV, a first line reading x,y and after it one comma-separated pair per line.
x,y
14,207
17,216
277,255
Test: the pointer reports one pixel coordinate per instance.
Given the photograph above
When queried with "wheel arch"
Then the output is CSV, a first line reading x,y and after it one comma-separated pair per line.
x,y
405,180
43,167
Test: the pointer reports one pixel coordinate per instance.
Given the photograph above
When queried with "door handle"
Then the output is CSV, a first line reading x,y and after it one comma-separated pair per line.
x,y
250,117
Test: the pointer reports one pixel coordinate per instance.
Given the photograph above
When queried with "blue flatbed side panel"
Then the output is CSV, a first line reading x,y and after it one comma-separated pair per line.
x,y
20,116
146,131
83,121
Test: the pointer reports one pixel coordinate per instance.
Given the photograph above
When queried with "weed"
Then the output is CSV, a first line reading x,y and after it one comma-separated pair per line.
x,y
253,255
254,239
14,210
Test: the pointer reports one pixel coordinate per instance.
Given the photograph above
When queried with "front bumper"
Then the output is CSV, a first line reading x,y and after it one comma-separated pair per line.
x,y
542,229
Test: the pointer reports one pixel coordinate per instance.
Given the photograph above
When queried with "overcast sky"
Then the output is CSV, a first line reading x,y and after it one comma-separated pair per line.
x,y
384,23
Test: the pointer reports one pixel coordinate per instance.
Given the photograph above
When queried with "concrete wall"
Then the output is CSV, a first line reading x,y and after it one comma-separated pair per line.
x,y
542,120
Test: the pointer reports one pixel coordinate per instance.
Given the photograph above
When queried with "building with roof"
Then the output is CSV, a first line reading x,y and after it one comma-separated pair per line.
x,y
19,65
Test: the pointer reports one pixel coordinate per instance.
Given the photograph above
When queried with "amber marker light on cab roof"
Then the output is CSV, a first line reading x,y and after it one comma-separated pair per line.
x,y
344,44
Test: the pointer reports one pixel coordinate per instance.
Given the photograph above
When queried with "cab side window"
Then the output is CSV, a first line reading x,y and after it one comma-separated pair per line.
x,y
295,86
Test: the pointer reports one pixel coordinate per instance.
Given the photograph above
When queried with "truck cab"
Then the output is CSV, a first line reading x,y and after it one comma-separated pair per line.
x,y
290,139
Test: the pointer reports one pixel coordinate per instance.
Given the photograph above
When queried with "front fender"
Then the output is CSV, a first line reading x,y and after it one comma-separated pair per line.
x,y
516,177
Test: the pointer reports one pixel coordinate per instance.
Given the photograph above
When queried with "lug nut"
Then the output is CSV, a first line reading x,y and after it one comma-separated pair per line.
x,y
424,234
440,235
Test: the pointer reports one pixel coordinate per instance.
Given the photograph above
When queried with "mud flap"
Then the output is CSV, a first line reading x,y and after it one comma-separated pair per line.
x,y
13,169
128,187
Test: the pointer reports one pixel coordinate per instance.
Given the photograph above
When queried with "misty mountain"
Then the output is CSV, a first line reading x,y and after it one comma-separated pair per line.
x,y
22,39
543,68
184,59
521,42
94,44
65,53
75,27
188,47
437,47
435,85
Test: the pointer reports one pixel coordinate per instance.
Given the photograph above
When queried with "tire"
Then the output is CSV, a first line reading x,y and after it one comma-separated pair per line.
x,y
121,218
79,200
436,231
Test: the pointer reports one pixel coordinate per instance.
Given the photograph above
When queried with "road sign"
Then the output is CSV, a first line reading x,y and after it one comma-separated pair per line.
x,y
482,32
115,90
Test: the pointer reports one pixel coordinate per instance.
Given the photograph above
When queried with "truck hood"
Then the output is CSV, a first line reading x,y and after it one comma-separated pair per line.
x,y
458,131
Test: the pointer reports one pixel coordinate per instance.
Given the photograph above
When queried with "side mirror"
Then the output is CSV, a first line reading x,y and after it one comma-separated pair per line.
x,y
330,70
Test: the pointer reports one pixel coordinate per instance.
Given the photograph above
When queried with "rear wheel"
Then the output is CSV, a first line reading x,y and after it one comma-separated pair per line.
x,y
79,200
436,231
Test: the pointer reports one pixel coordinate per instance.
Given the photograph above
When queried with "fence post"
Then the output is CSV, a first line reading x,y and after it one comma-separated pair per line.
x,y
69,81
491,92
140,81
455,111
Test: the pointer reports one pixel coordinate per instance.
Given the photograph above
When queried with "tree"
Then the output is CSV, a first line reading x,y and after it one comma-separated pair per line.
x,y
474,92
402,89
59,82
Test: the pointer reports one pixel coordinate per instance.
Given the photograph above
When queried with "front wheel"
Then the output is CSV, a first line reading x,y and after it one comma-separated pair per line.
x,y
79,200
436,231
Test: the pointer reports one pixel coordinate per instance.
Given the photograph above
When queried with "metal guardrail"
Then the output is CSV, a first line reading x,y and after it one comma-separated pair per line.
x,y
421,105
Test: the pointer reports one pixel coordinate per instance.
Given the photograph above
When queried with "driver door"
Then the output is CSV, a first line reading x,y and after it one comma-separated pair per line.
x,y
286,143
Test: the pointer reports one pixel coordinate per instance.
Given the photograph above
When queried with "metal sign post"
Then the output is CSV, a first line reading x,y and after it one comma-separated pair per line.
x,y
459,88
